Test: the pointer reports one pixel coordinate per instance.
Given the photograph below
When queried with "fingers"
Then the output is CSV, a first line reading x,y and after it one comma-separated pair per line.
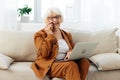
x,y
67,56
50,25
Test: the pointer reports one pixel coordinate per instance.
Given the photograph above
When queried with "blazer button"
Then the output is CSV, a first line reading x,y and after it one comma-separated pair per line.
x,y
48,66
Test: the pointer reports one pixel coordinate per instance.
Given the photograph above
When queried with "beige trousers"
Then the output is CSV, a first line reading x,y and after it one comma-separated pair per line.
x,y
70,70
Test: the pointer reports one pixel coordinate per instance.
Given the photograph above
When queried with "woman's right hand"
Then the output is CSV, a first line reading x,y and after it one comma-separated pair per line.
x,y
49,28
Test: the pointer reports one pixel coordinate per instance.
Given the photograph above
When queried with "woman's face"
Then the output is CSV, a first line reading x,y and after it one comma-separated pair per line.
x,y
53,18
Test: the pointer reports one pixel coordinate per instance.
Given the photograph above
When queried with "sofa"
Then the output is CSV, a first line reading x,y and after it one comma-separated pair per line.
x,y
17,52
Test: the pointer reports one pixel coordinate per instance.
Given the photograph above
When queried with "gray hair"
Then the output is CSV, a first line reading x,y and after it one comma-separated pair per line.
x,y
53,10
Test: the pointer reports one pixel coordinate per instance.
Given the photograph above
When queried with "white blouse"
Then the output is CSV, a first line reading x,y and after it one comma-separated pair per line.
x,y
63,48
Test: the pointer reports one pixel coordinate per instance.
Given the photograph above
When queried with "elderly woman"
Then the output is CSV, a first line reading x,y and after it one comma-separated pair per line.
x,y
53,45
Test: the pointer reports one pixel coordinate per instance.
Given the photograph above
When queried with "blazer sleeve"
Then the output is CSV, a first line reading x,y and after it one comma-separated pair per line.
x,y
44,43
70,39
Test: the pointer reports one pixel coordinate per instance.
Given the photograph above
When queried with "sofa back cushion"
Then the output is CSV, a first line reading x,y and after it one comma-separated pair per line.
x,y
106,39
18,45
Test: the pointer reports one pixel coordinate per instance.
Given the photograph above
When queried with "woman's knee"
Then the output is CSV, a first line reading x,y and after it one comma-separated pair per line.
x,y
84,61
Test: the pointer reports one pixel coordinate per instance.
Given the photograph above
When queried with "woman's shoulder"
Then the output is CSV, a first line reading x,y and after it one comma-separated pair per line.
x,y
40,32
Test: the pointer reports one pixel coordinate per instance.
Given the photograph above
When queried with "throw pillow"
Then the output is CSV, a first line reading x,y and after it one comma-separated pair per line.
x,y
109,61
107,41
5,61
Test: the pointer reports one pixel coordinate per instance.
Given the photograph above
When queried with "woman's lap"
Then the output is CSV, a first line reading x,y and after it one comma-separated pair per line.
x,y
58,68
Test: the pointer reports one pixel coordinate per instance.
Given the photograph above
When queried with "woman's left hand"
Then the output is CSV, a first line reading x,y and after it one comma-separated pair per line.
x,y
67,55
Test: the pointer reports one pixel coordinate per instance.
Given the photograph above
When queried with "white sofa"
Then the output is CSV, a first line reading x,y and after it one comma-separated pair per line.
x,y
19,46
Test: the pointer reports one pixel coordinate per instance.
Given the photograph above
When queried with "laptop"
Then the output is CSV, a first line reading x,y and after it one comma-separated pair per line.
x,y
82,49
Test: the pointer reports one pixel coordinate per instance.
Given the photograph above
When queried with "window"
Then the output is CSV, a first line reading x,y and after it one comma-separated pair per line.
x,y
69,8
66,7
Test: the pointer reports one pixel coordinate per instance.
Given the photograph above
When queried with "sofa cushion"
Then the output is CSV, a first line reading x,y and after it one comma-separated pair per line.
x,y
109,61
19,45
106,39
23,71
79,35
95,74
5,61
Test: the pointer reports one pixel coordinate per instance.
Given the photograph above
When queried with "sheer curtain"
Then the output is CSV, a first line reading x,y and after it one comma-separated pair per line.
x,y
100,14
8,14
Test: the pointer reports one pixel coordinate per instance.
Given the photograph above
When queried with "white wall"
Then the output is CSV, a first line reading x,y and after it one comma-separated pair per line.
x,y
100,14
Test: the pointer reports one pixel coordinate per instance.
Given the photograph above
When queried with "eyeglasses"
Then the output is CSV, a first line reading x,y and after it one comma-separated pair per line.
x,y
54,17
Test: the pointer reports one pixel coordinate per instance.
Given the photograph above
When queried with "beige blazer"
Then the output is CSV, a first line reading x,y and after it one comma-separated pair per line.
x,y
47,50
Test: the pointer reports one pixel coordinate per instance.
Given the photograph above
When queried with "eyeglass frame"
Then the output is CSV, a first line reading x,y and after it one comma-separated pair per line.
x,y
54,17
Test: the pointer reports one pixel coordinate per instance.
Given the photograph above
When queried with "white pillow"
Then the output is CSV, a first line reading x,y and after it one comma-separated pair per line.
x,y
5,61
107,41
109,61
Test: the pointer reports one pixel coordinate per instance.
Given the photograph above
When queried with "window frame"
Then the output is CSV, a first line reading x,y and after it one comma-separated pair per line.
x,y
37,13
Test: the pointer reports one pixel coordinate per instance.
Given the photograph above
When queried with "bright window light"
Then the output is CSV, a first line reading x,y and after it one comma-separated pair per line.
x,y
66,6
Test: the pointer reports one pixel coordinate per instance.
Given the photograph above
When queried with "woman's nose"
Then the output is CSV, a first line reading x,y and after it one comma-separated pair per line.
x,y
54,19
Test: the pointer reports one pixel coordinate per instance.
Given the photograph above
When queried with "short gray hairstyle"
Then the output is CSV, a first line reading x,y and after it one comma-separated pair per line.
x,y
53,10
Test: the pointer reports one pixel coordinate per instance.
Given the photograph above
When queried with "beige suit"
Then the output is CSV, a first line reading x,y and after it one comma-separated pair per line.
x,y
47,50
